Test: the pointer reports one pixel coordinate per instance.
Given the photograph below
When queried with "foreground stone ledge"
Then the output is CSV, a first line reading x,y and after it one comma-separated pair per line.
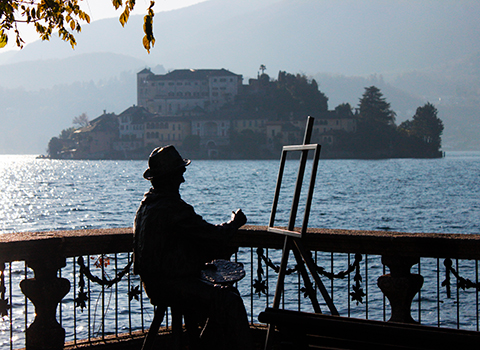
x,y
30,245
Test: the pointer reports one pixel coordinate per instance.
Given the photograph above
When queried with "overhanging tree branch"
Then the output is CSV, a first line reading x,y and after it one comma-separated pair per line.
x,y
63,16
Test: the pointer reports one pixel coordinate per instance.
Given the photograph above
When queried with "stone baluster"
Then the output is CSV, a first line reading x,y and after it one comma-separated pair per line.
x,y
400,286
46,291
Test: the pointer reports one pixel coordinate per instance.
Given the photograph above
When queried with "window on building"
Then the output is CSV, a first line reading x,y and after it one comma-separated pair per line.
x,y
179,83
171,83
173,127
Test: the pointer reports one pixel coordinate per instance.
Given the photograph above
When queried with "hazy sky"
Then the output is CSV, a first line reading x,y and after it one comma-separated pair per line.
x,y
99,9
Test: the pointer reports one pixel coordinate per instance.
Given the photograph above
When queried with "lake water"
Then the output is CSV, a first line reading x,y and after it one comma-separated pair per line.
x,y
410,195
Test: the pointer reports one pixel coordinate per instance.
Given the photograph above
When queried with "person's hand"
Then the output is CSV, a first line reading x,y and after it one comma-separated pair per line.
x,y
238,218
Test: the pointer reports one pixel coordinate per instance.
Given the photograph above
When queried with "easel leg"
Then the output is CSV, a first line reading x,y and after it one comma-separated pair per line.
x,y
312,268
306,280
279,288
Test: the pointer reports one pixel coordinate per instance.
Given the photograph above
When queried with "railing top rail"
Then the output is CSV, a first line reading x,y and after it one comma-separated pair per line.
x,y
34,245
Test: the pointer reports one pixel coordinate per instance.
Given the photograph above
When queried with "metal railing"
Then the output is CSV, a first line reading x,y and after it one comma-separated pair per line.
x,y
58,287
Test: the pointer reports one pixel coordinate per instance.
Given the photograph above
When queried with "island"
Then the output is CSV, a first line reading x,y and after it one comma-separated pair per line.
x,y
211,114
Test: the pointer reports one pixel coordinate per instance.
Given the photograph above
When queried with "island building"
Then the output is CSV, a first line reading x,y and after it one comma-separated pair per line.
x,y
195,110
185,89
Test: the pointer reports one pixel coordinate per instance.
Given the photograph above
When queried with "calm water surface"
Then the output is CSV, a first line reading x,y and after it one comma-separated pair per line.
x,y
412,195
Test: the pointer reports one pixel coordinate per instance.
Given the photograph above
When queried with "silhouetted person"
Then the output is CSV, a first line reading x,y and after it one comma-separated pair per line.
x,y
172,244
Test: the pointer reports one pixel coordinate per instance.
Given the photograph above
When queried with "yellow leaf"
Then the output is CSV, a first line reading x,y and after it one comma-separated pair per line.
x,y
117,3
123,19
3,39
146,44
72,25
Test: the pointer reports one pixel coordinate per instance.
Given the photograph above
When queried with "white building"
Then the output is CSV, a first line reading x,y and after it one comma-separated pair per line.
x,y
184,89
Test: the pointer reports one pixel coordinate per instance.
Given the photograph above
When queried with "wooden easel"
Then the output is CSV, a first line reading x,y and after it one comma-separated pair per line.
x,y
293,239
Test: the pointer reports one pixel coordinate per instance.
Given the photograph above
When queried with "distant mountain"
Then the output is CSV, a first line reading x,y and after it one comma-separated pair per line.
x,y
350,37
45,74
407,48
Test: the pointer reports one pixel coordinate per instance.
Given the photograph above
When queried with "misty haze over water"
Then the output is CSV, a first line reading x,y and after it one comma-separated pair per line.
x,y
415,51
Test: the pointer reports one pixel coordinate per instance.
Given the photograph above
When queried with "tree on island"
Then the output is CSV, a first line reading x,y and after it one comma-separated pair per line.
x,y
374,108
81,120
289,93
376,131
423,133
344,110
64,16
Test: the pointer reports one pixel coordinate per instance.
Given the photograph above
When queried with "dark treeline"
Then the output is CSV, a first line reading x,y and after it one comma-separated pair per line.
x,y
376,136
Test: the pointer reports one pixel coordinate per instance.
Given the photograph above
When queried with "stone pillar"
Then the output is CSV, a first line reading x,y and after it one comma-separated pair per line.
x,y
45,291
400,286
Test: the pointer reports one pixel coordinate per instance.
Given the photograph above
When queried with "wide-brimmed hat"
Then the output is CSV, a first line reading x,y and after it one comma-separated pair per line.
x,y
164,160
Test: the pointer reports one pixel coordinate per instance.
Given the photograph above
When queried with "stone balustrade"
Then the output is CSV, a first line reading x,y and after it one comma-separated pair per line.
x,y
45,253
